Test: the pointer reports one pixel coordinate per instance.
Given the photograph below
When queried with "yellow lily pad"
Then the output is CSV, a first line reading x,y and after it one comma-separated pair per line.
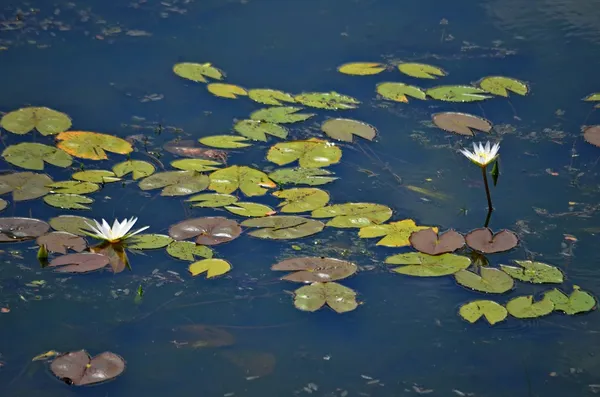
x,y
350,215
226,90
225,141
92,145
258,130
197,71
396,234
250,181
139,169
311,153
399,92
212,200
270,97
302,199
212,267
361,68
421,70
250,210
96,176
198,165
493,312
499,85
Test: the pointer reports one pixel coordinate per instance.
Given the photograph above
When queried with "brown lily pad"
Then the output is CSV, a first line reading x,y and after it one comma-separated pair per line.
x,y
429,242
592,135
484,241
315,269
206,336
188,148
78,368
461,123
60,242
79,263
25,185
210,230
21,229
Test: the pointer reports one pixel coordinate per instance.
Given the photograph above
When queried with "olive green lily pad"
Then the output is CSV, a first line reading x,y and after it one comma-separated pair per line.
x,y
592,97
197,71
33,155
148,241
457,93
68,201
212,267
312,297
71,224
534,272
25,185
225,141
302,199
60,242
270,97
397,234
230,91
280,227
198,165
361,68
139,169
188,251
400,92
423,265
311,153
354,214
74,187
45,120
280,114
489,280
578,302
212,200
499,85
258,130
250,181
461,123
176,183
3,204
315,269
249,209
302,176
96,176
421,70
490,310
13,229
327,100
524,307
210,230
345,129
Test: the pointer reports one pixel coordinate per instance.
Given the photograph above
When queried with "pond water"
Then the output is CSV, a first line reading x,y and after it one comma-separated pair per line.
x,y
108,65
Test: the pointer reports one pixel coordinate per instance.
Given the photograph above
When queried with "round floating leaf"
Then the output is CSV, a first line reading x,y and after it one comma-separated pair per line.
x,y
68,201
302,199
484,241
354,214
489,280
534,272
281,227
225,141
312,153
71,224
187,148
345,129
208,230
461,123
213,267
361,68
250,181
524,307
423,265
148,241
45,120
270,97
399,91
92,145
73,187
96,176
79,263
338,297
396,234
198,165
176,183
258,130
250,209
280,114
226,90
78,368
302,176
457,93
578,302
197,71
492,311
187,250
212,200
20,229
592,97
592,135
499,85
60,242
140,169
327,100
25,185
315,269
32,156
429,242
3,204
421,70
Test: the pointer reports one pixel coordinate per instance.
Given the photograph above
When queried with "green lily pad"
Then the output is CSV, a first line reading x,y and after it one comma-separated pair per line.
x,y
212,200
457,93
524,307
423,265
534,272
188,251
3,204
361,68
197,71
176,183
148,241
198,165
280,227
312,153
270,97
421,70
354,214
280,114
302,176
25,185
489,280
230,91
490,310
315,269
140,169
400,92
327,100
397,234
578,302
68,201
71,224
499,85
592,97
258,130
345,129
302,199
33,155
225,141
312,297
96,176
250,181
45,120
74,187
249,209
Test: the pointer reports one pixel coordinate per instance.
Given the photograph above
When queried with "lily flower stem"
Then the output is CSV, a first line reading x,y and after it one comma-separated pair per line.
x,y
487,188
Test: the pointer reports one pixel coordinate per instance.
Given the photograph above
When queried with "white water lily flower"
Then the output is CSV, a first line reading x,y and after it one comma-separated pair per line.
x,y
118,232
481,155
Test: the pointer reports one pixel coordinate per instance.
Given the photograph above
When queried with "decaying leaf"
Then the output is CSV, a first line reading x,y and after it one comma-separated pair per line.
x,y
461,123
211,230
315,269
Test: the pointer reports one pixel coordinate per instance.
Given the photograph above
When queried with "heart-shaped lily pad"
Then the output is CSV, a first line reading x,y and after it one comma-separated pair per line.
x,y
457,93
534,272
250,210
345,129
139,169
71,224
250,181
176,183
421,70
578,302
188,251
268,96
500,85
148,241
32,156
21,229
361,68
312,297
461,123
280,114
592,135
78,368
47,121
525,307
213,267
354,214
315,269
400,92
212,200
484,241
25,185
60,242
423,265
280,227
74,187
208,231
395,234
79,263
327,100
258,130
68,201
490,310
91,145
311,153
489,280
197,71
302,176
302,199
198,165
223,90
429,242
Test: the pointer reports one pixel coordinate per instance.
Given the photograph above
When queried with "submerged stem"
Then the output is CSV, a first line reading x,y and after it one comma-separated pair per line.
x,y
487,188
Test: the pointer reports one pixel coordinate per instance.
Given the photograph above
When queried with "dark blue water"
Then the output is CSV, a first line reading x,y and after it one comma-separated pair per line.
x,y
406,338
